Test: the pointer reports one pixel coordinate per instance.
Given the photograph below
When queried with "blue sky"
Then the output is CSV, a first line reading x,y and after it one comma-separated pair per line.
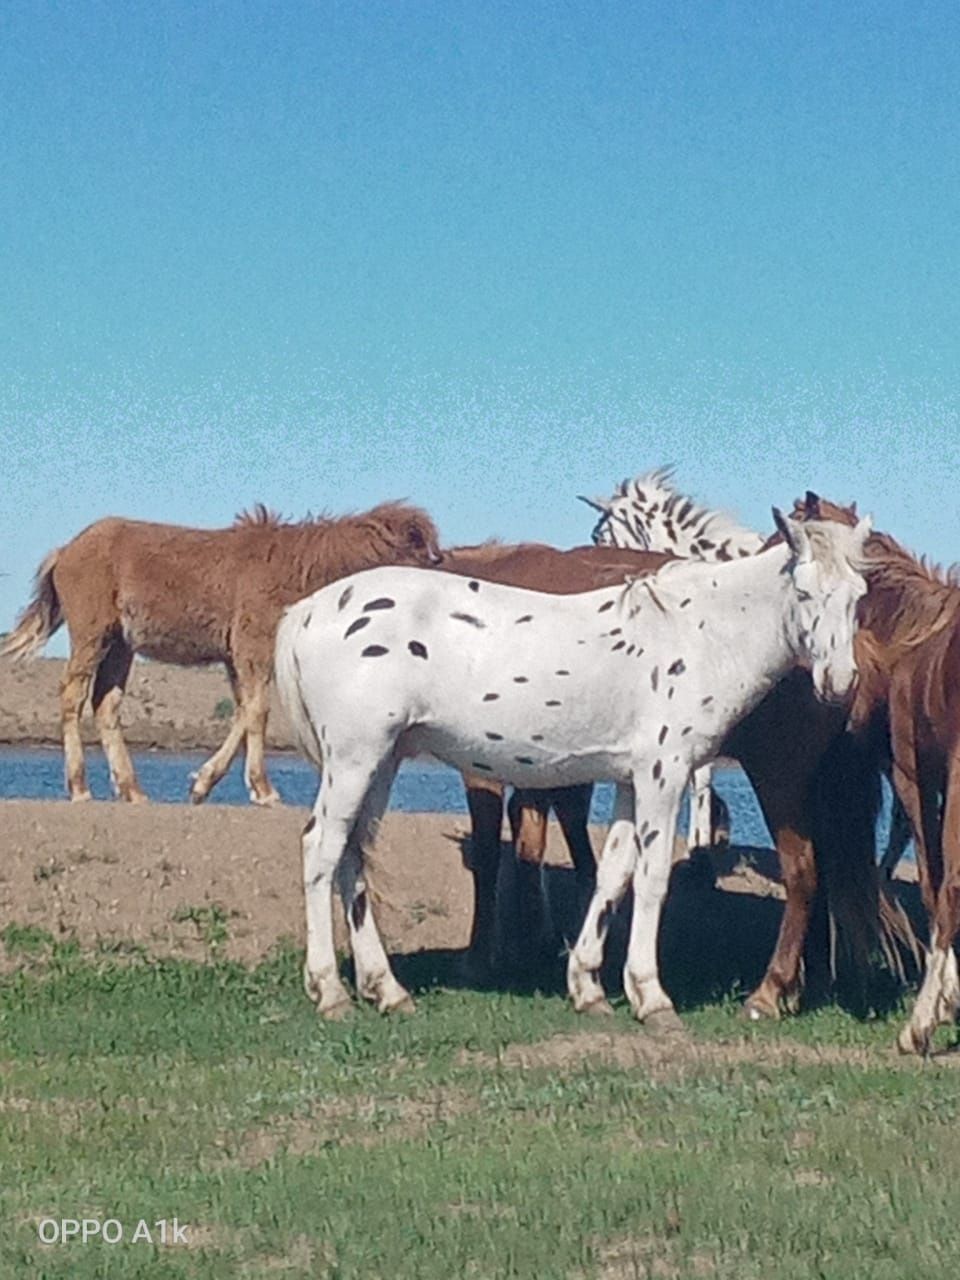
x,y
486,256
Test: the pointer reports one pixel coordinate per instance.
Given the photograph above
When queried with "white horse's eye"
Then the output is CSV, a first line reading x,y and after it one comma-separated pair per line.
x,y
802,595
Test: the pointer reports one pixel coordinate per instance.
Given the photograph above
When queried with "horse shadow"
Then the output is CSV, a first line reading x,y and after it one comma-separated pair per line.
x,y
712,943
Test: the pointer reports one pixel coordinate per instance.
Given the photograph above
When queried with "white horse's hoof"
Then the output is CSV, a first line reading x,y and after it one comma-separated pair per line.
x,y
663,1022
912,1041
405,1005
336,1012
600,1008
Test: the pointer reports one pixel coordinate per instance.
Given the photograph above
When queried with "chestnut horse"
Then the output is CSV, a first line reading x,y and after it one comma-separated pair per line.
x,y
906,716
195,596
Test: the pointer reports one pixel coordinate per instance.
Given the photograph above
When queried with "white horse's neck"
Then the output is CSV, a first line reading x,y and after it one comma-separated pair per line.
x,y
738,617
648,513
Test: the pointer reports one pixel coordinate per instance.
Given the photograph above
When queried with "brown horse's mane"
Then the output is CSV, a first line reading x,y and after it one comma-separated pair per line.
x,y
910,598
263,516
321,548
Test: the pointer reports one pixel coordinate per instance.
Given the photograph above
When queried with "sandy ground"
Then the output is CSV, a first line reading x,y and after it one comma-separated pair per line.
x,y
159,876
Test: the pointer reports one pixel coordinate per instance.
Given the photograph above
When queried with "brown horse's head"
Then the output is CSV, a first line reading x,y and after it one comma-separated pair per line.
x,y
812,507
410,532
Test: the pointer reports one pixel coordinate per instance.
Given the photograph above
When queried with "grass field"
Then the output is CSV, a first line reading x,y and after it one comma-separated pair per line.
x,y
487,1135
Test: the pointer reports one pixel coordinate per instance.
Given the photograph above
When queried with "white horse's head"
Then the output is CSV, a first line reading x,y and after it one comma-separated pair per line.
x,y
826,571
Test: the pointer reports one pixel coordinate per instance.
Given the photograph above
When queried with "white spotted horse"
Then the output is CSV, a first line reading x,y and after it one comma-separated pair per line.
x,y
535,690
812,781
534,567
649,514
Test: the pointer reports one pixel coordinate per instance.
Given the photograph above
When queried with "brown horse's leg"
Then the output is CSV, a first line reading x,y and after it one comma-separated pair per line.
x,y
485,802
948,901
73,694
919,792
572,807
780,987
528,811
108,687
256,699
213,769
781,745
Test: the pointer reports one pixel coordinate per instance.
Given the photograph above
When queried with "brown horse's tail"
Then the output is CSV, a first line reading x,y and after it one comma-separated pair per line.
x,y
41,618
865,923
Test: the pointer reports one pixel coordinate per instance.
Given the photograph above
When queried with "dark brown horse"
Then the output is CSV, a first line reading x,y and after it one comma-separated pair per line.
x,y
195,596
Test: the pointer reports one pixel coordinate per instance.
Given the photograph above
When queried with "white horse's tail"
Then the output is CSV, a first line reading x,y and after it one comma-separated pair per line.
x,y
40,619
287,672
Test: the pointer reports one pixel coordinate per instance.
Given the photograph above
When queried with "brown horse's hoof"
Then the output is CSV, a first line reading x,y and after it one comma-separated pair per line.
x,y
756,1009
664,1022
265,802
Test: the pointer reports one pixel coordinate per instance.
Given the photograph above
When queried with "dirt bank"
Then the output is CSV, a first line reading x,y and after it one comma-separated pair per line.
x,y
177,880
166,706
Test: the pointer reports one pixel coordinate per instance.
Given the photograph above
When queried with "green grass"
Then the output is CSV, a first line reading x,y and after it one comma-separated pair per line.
x,y
421,1148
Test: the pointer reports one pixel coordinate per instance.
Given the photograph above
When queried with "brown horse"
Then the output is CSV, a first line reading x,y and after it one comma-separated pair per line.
x,y
195,596
906,715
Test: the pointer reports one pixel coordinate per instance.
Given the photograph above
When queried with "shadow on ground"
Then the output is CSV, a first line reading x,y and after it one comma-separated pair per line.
x,y
718,930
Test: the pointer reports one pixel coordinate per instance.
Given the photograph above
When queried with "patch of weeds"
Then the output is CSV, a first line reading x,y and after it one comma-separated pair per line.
x,y
419,911
25,939
48,870
223,709
209,921
121,948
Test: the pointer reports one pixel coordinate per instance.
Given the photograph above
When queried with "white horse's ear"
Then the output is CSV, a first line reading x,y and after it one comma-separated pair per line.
x,y
793,534
863,528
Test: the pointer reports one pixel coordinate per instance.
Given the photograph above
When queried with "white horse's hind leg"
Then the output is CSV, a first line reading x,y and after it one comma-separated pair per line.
x,y
375,979
659,805
700,833
613,875
320,858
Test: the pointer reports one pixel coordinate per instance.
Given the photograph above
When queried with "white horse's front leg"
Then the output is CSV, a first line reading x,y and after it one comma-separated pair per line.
x,y
613,875
658,802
